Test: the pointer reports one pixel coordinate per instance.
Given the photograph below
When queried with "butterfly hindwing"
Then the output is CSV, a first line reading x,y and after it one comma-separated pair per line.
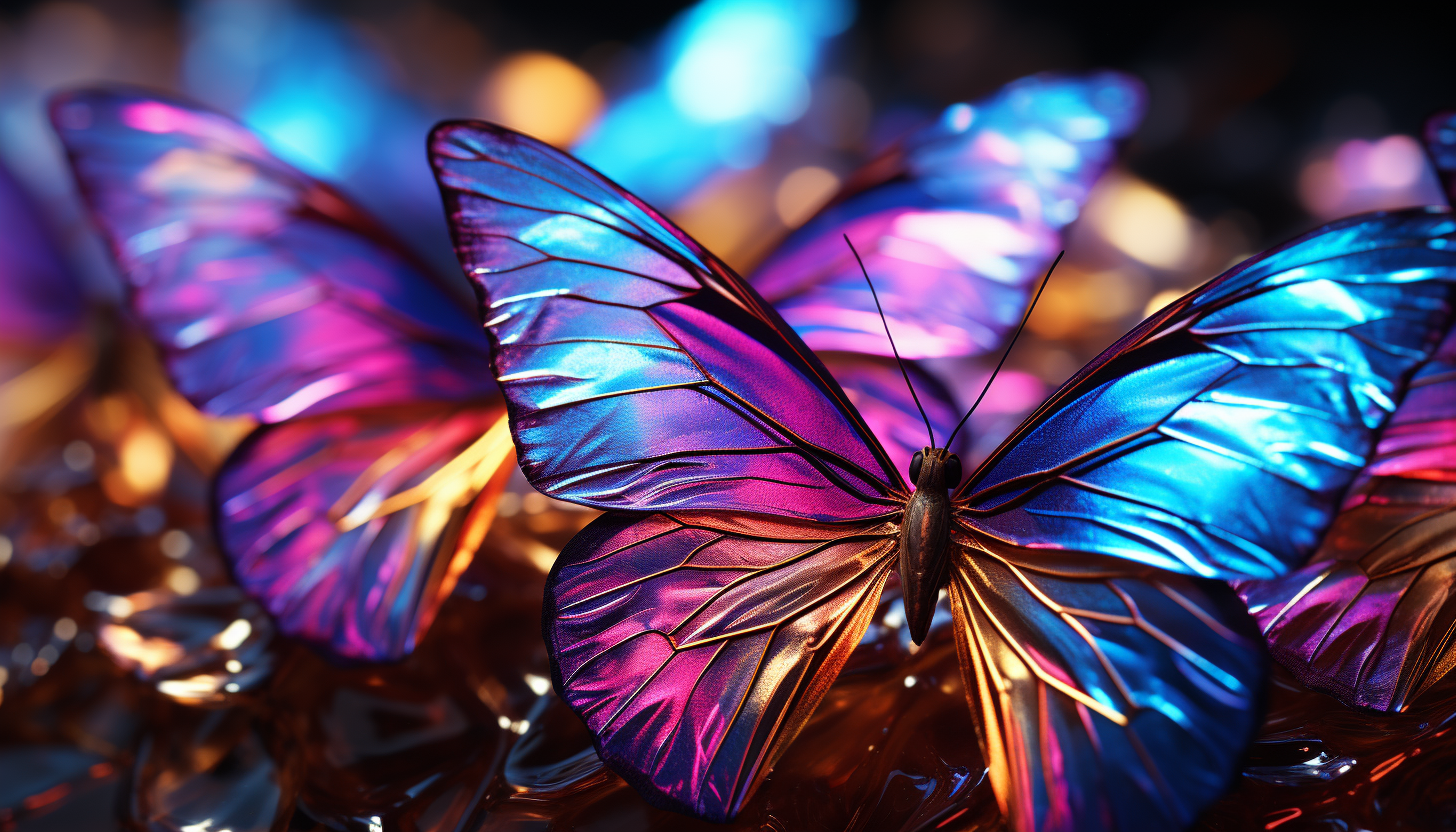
x,y
1370,618
694,645
606,319
1217,438
353,526
268,292
966,212
1110,695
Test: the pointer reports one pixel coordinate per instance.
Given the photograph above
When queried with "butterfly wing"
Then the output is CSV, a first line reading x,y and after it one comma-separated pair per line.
x,y
879,393
354,526
966,212
695,645
269,293
1370,618
639,371
1111,695
272,296
1218,437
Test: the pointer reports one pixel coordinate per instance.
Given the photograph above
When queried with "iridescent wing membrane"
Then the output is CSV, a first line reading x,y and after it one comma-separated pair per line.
x,y
695,625
966,212
1369,619
272,296
640,372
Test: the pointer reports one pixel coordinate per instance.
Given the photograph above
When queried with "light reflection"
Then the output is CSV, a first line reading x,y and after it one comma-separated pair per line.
x,y
1142,221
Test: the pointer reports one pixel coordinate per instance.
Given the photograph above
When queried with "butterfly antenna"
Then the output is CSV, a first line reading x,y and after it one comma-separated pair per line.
x,y
1024,319
886,323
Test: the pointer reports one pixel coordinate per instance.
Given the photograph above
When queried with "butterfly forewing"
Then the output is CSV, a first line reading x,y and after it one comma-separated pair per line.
x,y
639,371
694,645
1111,695
268,292
1370,618
966,212
1217,439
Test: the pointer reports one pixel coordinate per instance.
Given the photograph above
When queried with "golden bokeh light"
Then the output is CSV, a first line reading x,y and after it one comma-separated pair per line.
x,y
145,457
802,192
541,95
1141,221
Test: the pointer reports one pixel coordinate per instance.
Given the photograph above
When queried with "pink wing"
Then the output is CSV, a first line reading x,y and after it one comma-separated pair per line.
x,y
696,645
1370,618
270,294
956,222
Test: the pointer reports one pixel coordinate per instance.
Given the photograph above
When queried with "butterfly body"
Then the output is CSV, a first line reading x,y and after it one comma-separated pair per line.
x,y
925,536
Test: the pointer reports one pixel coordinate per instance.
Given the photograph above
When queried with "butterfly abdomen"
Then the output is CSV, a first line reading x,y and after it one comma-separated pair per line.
x,y
925,537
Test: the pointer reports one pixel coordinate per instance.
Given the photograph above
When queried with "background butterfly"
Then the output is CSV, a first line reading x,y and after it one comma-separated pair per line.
x,y
753,517
355,507
1370,618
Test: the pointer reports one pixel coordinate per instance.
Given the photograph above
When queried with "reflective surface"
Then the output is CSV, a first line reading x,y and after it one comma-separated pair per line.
x,y
955,223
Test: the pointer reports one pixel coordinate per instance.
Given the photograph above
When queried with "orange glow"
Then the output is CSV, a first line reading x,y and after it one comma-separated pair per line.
x,y
803,192
542,95
131,650
146,460
1141,221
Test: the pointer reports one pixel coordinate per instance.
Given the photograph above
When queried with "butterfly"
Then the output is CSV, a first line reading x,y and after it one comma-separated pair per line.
x,y
752,519
1369,618
354,507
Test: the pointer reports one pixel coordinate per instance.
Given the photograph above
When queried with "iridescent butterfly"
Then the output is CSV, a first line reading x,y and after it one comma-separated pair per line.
x,y
1369,619
752,518
353,510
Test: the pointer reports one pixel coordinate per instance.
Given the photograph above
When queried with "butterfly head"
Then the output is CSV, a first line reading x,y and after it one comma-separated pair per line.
x,y
939,468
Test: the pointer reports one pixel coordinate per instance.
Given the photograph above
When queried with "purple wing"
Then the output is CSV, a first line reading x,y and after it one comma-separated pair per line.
x,y
956,222
1440,136
695,645
1370,618
877,390
269,293
1218,438
352,527
40,302
1111,695
640,372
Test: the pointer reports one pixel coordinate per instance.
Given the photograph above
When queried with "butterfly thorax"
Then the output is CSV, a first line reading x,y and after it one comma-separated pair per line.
x,y
925,536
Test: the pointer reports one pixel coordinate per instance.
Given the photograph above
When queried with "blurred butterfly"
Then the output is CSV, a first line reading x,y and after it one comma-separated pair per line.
x,y
1370,618
354,508
752,517
46,352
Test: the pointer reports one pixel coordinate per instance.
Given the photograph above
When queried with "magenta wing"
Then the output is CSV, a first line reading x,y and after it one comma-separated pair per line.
x,y
694,645
955,223
352,527
640,372
877,390
1370,618
269,293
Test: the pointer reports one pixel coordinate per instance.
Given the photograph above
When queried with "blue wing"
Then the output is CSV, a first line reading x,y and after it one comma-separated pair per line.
x,y
1440,136
641,373
1217,438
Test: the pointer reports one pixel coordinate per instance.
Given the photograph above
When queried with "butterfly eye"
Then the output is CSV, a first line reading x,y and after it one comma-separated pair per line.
x,y
915,465
952,471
